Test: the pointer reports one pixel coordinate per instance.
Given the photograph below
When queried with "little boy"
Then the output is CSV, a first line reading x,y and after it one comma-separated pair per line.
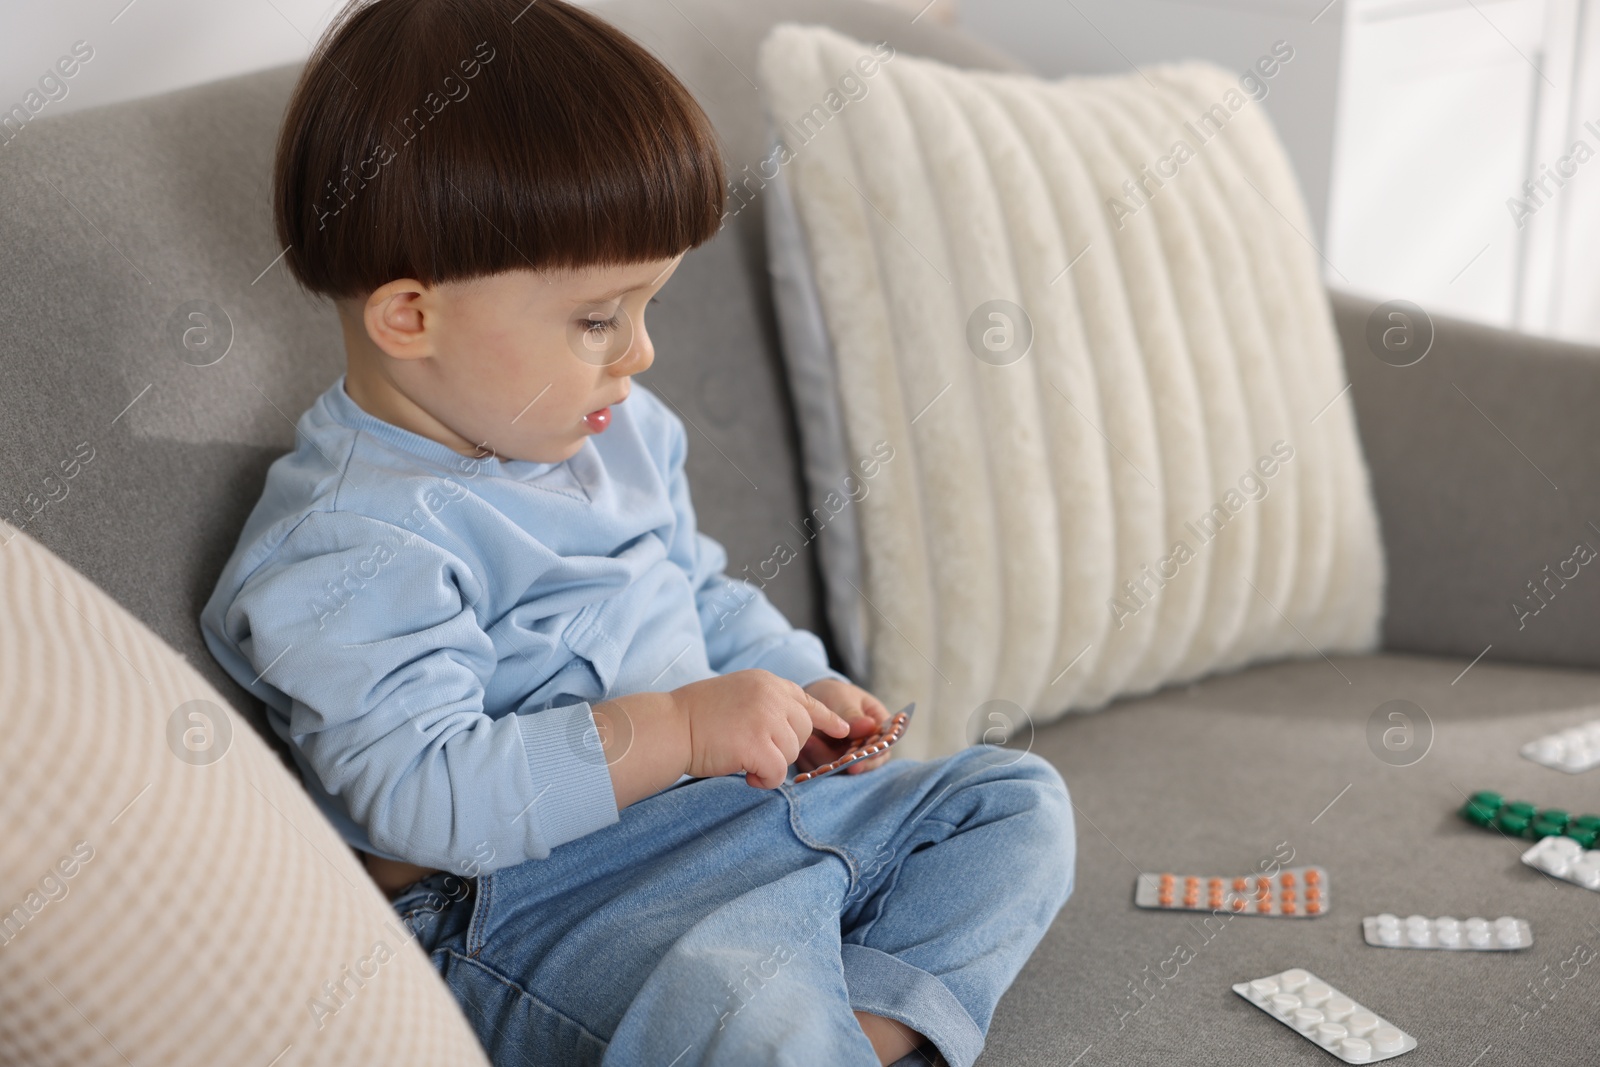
x,y
476,604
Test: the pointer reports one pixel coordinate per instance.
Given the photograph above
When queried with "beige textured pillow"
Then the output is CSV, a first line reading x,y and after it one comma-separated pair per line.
x,y
1122,451
168,893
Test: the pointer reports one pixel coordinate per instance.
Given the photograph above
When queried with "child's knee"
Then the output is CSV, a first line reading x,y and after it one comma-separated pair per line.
x,y
1021,781
1046,806
1053,800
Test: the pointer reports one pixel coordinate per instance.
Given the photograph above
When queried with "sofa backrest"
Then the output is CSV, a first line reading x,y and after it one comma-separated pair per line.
x,y
135,437
1483,461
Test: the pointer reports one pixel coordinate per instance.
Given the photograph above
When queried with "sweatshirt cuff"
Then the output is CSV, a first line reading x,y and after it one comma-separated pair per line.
x,y
800,664
573,794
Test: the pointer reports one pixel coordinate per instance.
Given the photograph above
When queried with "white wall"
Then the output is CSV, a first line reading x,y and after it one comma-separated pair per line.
x,y
150,46
1410,123
1448,108
156,45
1106,36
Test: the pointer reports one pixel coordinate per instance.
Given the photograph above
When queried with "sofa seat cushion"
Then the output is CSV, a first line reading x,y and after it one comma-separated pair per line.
x,y
1214,777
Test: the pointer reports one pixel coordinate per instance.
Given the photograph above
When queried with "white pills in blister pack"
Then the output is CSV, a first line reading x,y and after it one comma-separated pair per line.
x,y
1419,931
1573,750
1566,859
1322,1014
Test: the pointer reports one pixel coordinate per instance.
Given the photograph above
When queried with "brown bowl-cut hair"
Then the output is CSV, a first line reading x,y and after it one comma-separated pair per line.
x,y
445,140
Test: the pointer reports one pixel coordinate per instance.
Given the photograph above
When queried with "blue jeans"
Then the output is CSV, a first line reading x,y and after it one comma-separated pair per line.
x,y
716,923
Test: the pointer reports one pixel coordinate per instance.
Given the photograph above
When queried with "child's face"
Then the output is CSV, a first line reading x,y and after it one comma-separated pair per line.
x,y
522,363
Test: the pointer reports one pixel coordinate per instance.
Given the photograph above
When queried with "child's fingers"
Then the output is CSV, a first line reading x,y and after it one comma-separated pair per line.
x,y
816,751
770,768
825,718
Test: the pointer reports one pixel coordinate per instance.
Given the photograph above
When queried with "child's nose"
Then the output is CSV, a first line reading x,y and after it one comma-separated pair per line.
x,y
638,358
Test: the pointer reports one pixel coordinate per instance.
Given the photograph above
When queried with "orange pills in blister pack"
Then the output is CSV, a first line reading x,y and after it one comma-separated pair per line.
x,y
1294,892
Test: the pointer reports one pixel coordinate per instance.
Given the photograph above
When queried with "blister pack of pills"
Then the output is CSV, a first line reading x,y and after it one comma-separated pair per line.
x,y
871,745
1324,1015
1419,931
1567,860
1294,892
1572,750
1518,818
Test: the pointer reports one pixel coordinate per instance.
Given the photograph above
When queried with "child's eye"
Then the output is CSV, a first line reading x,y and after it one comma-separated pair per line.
x,y
600,326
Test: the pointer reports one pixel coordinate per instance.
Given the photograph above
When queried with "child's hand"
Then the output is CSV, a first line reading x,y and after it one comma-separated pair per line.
x,y
751,721
866,715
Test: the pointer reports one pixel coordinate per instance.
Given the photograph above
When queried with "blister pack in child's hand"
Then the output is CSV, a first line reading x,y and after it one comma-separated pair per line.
x,y
1419,931
1294,892
872,745
1567,860
1573,750
1322,1014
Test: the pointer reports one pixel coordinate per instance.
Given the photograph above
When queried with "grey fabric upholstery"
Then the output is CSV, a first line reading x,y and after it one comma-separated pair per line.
x,y
1483,466
1210,778
113,218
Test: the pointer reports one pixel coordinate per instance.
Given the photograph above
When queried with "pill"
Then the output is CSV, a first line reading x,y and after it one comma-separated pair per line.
x,y
1338,1007
1361,1023
1387,1039
1314,993
1355,1050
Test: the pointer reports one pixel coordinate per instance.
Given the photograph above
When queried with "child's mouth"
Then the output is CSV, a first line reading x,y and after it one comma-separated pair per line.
x,y
598,420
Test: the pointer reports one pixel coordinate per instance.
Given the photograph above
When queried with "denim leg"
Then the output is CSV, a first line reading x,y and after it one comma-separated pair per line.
x,y
758,982
699,929
962,863
717,924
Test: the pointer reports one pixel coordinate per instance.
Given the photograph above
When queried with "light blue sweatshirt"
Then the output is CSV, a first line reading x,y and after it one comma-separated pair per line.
x,y
429,631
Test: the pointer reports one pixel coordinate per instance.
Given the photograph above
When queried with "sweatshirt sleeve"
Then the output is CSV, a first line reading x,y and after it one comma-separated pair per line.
x,y
369,632
742,628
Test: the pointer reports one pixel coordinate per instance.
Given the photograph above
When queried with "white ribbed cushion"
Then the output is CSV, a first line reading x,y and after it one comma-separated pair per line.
x,y
1165,363
215,900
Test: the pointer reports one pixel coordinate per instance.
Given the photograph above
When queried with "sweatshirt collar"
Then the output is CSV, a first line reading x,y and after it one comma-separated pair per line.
x,y
348,413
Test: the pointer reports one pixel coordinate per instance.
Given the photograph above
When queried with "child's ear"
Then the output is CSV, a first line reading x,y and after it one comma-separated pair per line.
x,y
400,318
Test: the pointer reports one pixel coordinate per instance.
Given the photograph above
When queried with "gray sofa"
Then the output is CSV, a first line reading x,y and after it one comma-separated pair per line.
x,y
120,222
